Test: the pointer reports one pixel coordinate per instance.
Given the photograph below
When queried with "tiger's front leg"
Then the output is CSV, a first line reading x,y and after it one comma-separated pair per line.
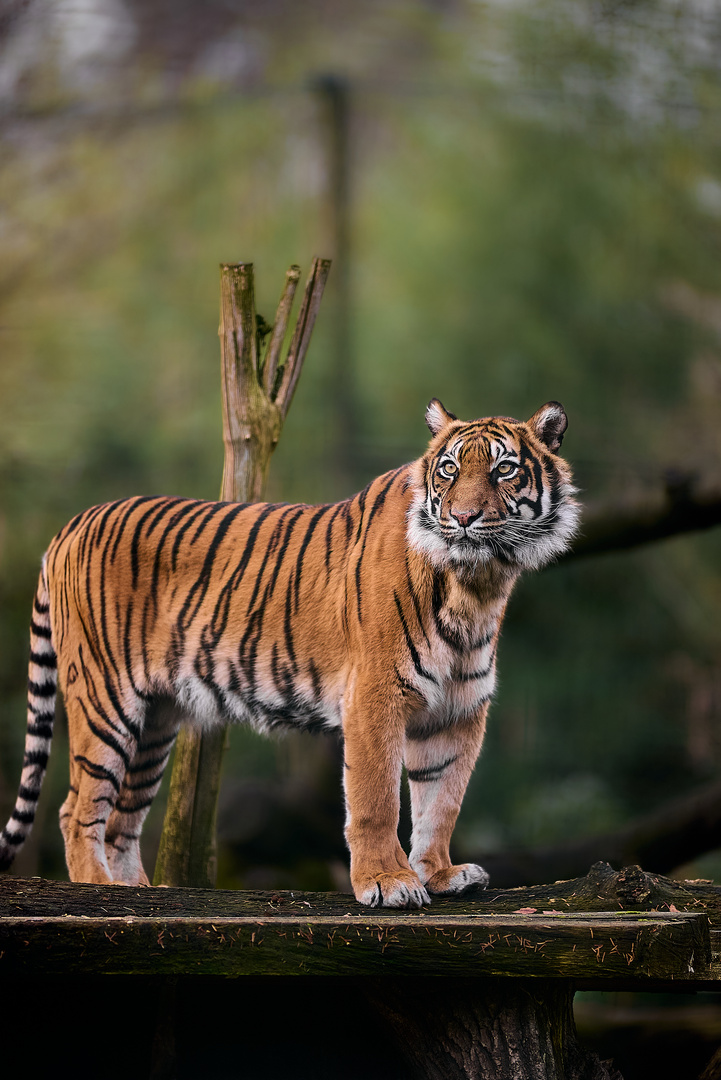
x,y
379,868
439,768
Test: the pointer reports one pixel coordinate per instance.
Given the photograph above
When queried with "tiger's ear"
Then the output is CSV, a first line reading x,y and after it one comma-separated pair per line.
x,y
549,425
437,417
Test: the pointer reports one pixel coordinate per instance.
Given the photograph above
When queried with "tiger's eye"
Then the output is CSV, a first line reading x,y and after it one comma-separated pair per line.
x,y
505,468
448,469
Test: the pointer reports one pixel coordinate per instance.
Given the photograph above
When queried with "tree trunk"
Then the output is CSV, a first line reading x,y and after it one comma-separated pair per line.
x,y
486,1029
257,392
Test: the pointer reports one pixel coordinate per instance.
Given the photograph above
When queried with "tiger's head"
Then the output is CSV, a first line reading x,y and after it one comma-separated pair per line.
x,y
493,488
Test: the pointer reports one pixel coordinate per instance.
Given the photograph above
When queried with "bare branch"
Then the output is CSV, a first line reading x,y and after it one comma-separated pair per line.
x,y
303,330
282,315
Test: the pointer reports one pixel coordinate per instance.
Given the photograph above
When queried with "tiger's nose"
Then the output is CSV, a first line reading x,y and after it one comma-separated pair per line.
x,y
465,517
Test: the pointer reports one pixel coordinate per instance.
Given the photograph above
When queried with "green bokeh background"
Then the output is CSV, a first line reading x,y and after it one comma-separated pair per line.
x,y
535,214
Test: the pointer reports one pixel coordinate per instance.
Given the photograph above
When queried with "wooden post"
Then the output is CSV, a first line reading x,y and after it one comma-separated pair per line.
x,y
481,1029
257,391
335,98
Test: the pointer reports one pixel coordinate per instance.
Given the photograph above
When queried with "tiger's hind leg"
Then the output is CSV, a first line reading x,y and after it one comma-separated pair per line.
x,y
142,779
101,747
439,768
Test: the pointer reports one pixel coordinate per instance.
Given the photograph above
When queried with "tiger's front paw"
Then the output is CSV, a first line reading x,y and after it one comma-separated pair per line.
x,y
401,889
456,879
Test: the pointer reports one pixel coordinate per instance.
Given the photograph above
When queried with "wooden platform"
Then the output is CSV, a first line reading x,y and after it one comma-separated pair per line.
x,y
501,965
71,929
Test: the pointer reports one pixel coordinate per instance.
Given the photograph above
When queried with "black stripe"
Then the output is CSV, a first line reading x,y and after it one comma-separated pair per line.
x,y
35,757
40,631
409,643
303,547
315,680
25,817
105,736
221,611
360,502
288,633
215,509
416,602
159,513
41,689
269,549
132,504
157,743
98,772
430,772
41,731
202,508
451,637
123,809
144,784
128,651
143,766
406,686
41,609
12,838
188,506
377,505
44,660
169,502
109,509
281,554
202,582
469,676
329,538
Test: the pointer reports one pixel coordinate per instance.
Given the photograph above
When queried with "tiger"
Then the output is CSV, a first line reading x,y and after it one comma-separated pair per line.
x,y
377,616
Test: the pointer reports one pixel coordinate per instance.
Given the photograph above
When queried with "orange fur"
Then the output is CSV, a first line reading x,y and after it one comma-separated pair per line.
x,y
378,616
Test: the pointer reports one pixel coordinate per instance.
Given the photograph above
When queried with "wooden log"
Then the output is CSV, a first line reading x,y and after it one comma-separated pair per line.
x,y
600,946
602,889
486,1028
66,928
257,391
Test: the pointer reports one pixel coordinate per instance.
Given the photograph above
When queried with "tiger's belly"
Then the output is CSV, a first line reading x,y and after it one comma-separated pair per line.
x,y
264,705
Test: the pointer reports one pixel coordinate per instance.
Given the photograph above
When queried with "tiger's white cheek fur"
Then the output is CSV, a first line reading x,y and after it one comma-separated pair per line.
x,y
425,541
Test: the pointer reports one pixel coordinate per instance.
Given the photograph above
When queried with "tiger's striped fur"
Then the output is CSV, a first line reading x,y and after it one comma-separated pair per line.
x,y
378,615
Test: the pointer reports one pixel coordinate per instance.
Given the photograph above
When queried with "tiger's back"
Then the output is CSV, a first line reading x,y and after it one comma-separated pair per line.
x,y
206,603
361,615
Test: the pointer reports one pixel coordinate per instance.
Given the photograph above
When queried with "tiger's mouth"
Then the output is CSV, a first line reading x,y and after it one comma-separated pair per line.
x,y
491,541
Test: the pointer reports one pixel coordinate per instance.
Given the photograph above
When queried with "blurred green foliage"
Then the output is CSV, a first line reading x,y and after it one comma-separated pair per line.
x,y
536,214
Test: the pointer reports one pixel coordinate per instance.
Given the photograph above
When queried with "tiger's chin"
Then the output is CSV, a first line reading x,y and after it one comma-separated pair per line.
x,y
471,553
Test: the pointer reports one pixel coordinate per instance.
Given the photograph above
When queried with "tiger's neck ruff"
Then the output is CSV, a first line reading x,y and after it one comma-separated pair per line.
x,y
378,616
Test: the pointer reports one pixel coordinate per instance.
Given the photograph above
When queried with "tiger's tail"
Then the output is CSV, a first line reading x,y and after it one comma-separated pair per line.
x,y
42,682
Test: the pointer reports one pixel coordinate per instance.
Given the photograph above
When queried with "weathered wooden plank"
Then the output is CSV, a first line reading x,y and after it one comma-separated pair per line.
x,y
600,945
602,889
